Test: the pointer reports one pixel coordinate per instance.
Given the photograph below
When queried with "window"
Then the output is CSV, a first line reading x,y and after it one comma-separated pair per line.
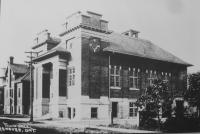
x,y
69,112
19,110
61,114
132,109
62,82
69,45
94,112
19,93
134,78
152,75
165,77
74,112
115,76
7,93
11,110
71,76
11,93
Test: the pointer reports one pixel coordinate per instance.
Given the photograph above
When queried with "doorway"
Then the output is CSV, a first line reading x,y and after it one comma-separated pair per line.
x,y
114,109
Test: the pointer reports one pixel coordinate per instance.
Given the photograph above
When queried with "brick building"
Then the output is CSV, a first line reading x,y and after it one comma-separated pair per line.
x,y
92,70
16,90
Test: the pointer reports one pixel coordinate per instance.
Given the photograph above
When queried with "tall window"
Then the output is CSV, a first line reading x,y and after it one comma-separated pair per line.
x,y
94,112
19,93
115,76
165,76
71,76
134,78
11,93
132,109
152,75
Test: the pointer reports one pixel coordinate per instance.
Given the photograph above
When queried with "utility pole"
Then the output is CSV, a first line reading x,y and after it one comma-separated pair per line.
x,y
31,81
109,93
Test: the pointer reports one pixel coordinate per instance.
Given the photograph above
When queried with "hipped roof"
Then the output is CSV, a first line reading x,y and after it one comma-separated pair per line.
x,y
123,44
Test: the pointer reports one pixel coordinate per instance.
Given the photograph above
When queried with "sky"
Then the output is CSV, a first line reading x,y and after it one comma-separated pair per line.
x,y
173,25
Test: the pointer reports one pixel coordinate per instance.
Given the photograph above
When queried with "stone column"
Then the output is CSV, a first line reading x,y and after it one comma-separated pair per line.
x,y
54,88
37,101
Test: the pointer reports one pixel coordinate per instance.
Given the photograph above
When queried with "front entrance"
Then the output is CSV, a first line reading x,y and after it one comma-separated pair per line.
x,y
114,109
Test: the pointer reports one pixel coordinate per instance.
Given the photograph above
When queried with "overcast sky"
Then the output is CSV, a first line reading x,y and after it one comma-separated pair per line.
x,y
173,25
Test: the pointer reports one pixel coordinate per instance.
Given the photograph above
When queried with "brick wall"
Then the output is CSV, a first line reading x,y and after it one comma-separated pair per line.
x,y
95,72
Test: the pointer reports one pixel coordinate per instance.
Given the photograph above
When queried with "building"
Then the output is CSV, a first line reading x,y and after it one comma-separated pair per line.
x,y
91,71
17,90
2,84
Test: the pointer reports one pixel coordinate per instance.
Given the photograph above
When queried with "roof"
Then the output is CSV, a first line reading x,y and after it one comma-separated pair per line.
x,y
123,44
19,68
25,77
52,40
55,51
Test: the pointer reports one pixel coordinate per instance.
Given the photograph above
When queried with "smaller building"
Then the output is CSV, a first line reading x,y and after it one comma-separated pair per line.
x,y
2,84
16,91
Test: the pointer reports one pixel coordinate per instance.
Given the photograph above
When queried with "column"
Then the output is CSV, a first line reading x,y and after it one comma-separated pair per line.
x,y
54,88
37,101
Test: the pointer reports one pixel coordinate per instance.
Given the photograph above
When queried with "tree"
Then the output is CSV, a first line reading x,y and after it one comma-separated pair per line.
x,y
155,98
192,95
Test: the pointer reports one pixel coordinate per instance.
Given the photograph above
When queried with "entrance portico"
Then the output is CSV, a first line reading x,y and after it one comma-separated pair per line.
x,y
50,96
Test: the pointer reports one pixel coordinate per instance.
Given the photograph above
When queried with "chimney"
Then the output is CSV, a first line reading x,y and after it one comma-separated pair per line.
x,y
11,59
131,33
48,35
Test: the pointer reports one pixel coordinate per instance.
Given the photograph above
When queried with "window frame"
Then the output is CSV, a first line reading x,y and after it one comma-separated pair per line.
x,y
19,92
134,74
94,113
134,110
115,73
152,75
71,76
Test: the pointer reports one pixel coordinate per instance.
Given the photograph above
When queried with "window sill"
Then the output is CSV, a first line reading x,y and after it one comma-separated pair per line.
x,y
115,87
133,88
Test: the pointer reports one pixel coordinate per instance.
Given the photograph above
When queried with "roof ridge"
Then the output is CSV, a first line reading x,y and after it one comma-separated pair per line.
x,y
19,64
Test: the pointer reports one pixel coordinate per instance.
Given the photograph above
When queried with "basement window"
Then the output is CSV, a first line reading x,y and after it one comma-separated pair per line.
x,y
132,109
94,112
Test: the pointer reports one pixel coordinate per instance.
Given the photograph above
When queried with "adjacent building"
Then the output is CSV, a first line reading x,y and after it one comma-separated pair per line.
x,y
90,70
2,84
17,90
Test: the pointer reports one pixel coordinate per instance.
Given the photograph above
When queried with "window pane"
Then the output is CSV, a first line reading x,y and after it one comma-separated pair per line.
x,y
112,81
131,82
134,73
117,72
117,81
135,111
112,71
70,71
131,112
134,82
131,104
93,112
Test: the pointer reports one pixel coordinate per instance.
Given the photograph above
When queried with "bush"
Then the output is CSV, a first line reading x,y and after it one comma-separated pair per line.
x,y
181,125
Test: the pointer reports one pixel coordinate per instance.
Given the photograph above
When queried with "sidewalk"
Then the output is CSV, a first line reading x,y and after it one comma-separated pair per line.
x,y
61,124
